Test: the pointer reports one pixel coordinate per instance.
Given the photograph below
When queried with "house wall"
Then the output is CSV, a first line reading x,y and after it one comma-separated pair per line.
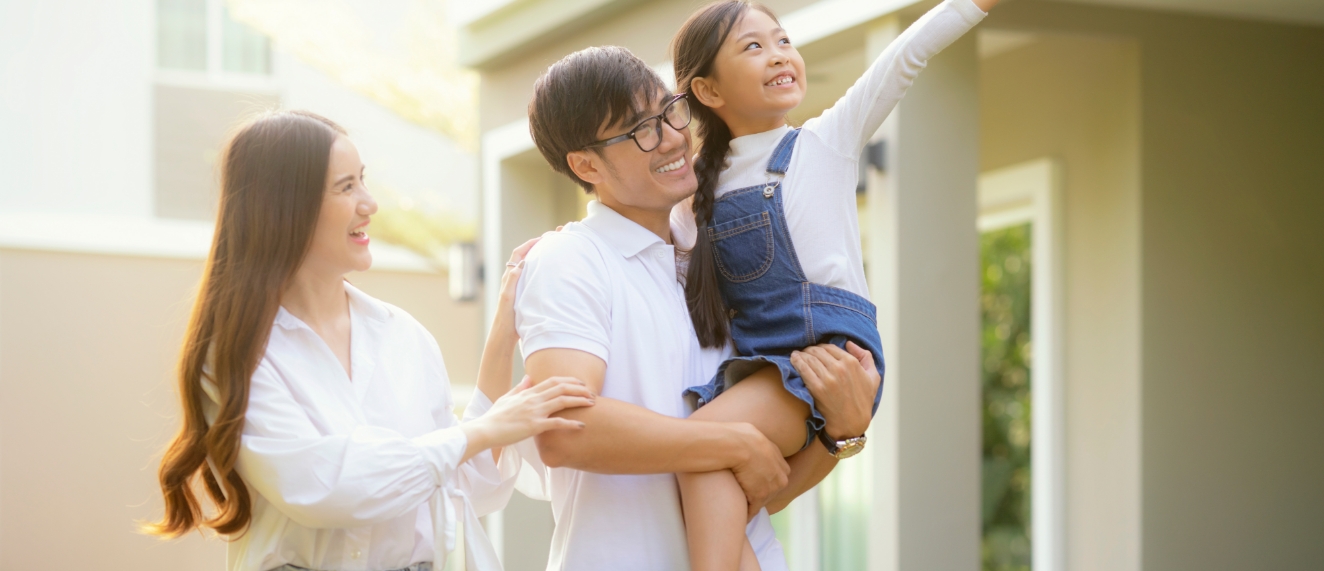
x,y
1077,99
88,344
86,137
1231,266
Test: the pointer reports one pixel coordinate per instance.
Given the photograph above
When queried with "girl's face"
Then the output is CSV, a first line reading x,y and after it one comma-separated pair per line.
x,y
757,75
340,240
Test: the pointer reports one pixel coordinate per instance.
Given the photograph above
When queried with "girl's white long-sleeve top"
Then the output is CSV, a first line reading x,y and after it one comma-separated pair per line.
x,y
360,472
818,192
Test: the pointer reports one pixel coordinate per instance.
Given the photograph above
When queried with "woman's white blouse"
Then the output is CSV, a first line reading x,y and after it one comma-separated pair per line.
x,y
353,472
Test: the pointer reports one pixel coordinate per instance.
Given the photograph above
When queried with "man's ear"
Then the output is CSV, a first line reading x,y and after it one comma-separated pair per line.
x,y
586,165
706,92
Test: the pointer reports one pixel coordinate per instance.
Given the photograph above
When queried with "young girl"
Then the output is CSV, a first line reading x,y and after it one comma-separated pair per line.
x,y
318,419
776,264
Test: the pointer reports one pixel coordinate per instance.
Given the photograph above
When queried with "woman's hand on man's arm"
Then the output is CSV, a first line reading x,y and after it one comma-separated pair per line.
x,y
527,411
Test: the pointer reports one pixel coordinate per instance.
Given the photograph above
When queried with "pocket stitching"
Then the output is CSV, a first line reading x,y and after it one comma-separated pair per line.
x,y
764,222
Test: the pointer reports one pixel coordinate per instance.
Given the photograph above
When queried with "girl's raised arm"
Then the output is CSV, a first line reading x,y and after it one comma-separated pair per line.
x,y
849,124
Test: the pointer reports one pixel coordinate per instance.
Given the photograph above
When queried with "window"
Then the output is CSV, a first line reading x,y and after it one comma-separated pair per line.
x,y
1020,224
212,71
181,34
201,36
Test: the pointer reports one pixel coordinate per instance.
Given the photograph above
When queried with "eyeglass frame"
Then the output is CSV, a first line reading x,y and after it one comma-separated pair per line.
x,y
660,117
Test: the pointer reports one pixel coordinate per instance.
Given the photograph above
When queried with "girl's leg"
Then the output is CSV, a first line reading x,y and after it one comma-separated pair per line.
x,y
713,503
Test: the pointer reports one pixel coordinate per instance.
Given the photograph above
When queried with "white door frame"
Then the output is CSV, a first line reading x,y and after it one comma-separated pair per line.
x,y
1031,192
498,144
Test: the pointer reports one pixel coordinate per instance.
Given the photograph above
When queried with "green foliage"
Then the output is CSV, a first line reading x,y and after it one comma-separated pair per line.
x,y
1005,312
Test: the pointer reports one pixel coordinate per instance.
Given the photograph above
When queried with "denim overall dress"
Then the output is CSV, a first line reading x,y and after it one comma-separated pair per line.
x,y
774,309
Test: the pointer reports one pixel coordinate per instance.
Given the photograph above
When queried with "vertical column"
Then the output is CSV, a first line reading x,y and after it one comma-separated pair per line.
x,y
923,265
522,198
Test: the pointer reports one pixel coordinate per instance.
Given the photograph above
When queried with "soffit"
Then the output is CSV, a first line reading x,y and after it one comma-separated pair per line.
x,y
1294,11
519,27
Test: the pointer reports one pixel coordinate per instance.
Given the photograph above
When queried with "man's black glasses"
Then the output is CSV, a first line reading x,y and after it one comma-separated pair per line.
x,y
648,133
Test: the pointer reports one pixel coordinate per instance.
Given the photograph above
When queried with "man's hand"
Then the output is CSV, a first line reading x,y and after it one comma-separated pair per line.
x,y
843,384
762,472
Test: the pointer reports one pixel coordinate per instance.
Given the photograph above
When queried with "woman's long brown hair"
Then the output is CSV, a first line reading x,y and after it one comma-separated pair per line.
x,y
693,51
273,176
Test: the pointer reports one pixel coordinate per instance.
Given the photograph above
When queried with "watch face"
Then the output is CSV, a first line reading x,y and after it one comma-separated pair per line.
x,y
848,448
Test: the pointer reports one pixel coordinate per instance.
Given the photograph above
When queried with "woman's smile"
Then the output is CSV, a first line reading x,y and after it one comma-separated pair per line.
x,y
359,235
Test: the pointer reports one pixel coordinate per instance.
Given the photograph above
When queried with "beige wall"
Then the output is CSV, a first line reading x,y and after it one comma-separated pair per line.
x,y
1077,99
87,347
1231,270
1234,297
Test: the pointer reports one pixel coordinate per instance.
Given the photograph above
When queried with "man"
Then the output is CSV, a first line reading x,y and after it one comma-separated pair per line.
x,y
602,301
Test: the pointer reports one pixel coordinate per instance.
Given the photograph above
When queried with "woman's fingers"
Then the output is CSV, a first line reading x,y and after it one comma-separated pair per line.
x,y
556,423
563,385
523,385
561,403
522,250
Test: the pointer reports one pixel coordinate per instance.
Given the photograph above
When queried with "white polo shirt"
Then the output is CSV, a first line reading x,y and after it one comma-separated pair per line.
x,y
609,287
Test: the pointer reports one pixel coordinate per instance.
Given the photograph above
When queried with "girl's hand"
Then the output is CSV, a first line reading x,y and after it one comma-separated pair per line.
x,y
843,384
527,411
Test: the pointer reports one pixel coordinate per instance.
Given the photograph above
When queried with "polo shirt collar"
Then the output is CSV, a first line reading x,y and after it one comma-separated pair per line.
x,y
625,235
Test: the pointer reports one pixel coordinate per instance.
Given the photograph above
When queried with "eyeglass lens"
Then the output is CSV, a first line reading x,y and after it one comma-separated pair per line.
x,y
649,133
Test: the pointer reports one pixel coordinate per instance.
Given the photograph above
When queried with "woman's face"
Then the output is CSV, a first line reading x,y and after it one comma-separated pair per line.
x,y
757,72
340,240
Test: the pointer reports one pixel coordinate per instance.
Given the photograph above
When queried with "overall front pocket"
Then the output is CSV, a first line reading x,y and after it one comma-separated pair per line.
x,y
743,247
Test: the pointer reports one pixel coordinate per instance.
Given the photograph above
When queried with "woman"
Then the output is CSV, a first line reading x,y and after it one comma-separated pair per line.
x,y
318,419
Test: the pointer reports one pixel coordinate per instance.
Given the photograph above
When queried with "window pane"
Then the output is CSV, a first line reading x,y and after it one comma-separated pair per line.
x,y
845,499
1005,307
181,34
245,50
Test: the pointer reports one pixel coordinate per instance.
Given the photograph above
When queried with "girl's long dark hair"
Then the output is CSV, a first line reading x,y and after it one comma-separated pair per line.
x,y
693,50
273,176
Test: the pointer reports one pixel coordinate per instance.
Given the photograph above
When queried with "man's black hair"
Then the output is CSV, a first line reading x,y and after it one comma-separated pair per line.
x,y
586,90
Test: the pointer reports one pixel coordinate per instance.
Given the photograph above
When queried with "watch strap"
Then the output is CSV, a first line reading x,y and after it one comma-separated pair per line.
x,y
829,442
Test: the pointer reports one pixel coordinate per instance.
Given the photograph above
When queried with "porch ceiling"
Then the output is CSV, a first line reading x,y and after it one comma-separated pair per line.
x,y
515,27
1296,11
507,29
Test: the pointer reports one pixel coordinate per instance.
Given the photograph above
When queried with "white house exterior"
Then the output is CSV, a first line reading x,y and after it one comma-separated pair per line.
x,y
1166,152
111,114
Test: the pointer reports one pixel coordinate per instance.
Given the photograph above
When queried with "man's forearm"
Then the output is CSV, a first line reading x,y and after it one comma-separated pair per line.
x,y
808,468
621,438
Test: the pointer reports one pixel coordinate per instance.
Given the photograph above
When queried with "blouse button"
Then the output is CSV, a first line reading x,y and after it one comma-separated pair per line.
x,y
357,554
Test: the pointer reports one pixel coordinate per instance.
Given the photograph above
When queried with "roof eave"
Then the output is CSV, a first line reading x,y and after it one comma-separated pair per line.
x,y
510,33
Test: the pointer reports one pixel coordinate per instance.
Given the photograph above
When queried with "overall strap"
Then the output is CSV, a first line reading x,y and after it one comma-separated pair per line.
x,y
781,157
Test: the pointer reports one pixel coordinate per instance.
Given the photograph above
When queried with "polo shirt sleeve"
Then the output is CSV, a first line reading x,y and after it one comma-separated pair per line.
x,y
563,300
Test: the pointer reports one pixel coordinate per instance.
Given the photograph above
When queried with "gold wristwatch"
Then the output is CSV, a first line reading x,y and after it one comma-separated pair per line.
x,y
842,449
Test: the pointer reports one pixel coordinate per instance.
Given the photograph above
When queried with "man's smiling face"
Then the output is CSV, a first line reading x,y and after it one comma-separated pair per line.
x,y
627,178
